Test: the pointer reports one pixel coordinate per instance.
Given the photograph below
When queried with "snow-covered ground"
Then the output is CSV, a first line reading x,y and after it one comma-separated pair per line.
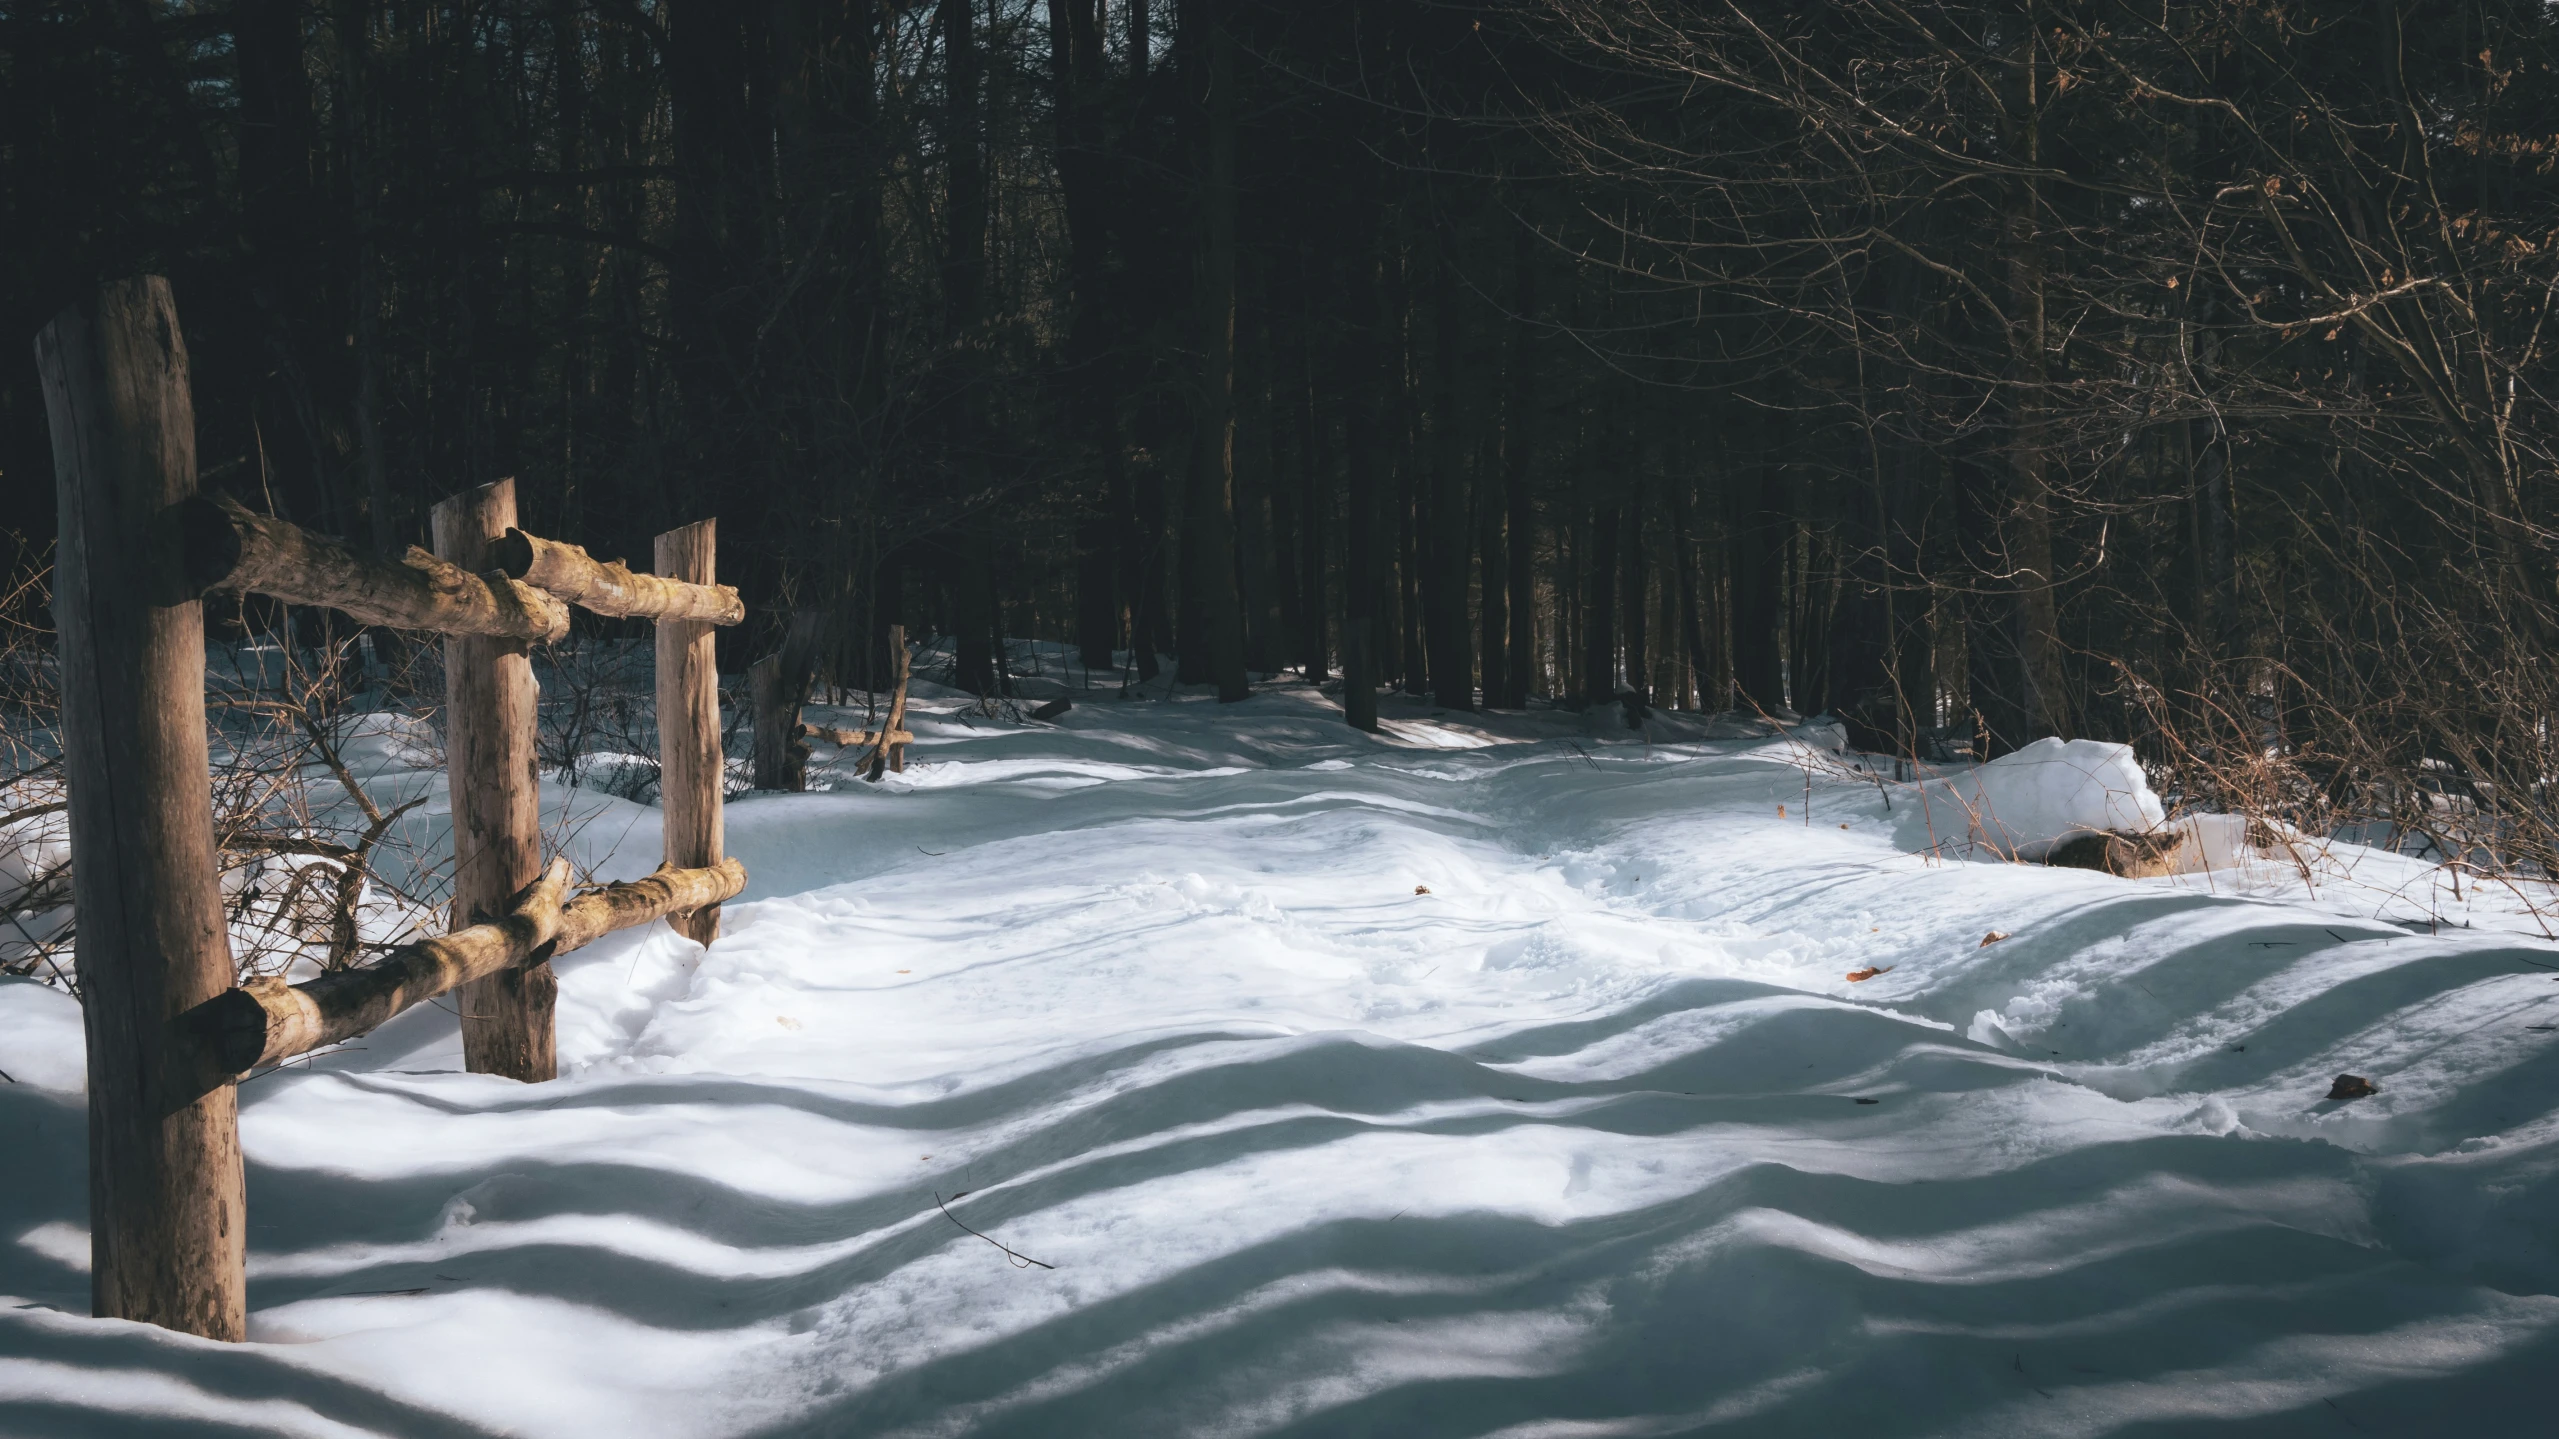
x,y
1498,1076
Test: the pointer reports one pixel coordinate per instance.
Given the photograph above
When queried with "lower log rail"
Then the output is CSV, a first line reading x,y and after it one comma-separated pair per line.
x,y
267,1022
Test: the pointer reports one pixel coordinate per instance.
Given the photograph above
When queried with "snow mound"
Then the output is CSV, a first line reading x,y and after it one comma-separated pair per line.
x,y
2023,804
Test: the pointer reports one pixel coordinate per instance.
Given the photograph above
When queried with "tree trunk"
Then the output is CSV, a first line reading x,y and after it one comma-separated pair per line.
x,y
493,771
1361,583
1752,538
1315,480
1599,632
1256,566
2029,532
692,767
1208,530
1452,644
166,1196
1635,570
779,684
1519,448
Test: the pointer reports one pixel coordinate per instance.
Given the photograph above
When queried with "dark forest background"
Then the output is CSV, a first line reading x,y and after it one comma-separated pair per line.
x,y
1975,372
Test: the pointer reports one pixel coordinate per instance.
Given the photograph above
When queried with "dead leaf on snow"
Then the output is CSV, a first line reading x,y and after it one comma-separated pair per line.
x,y
1860,976
1994,937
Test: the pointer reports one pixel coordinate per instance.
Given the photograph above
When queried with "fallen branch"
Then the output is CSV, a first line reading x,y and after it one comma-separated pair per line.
x,y
267,1021
1019,1259
609,587
223,545
849,738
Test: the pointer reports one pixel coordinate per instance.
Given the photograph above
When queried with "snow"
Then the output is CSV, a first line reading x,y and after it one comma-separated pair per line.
x,y
1499,1075
2022,804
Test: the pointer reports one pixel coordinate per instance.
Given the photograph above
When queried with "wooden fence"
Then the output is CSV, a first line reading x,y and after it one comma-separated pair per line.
x,y
169,1032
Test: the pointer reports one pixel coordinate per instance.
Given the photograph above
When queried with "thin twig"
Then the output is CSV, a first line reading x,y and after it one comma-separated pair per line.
x,y
1018,1259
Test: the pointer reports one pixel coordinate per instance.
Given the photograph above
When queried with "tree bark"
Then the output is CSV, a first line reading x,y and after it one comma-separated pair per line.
x,y
1599,634
221,545
692,769
603,588
1257,571
1452,643
779,684
493,775
166,1195
1208,531
1519,446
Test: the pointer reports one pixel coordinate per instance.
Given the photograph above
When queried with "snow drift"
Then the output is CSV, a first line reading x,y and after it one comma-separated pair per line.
x,y
1473,1080
2024,803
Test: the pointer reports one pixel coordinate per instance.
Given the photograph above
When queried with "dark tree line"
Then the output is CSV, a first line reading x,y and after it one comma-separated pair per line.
x,y
1973,371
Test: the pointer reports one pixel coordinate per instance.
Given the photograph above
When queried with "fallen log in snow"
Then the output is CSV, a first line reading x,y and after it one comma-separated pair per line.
x,y
851,738
269,1021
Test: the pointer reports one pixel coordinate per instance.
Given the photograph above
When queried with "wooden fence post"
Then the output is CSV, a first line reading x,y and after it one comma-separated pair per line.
x,y
691,767
166,1201
494,775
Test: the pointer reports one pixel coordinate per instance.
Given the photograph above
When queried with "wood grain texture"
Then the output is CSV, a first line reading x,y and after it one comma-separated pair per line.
x,y
491,766
691,767
608,587
267,1022
166,1198
227,546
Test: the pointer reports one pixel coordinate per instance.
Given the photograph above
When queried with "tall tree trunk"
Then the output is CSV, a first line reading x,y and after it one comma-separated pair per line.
x,y
1452,645
1757,529
1257,569
1492,526
1519,448
1208,530
976,616
1075,65
1599,604
1635,573
1314,459
2029,531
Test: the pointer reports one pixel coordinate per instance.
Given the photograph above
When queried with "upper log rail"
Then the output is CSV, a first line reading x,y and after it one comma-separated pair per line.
x,y
610,587
267,1022
224,545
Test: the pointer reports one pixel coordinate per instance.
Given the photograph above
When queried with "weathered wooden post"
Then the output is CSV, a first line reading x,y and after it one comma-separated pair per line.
x,y
166,1201
493,771
691,768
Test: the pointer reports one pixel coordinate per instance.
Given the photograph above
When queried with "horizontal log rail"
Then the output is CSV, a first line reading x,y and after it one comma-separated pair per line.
x,y
610,588
224,545
266,1022
849,738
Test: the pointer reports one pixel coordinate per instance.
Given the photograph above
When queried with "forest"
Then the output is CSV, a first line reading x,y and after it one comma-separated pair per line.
x,y
1972,372
1281,717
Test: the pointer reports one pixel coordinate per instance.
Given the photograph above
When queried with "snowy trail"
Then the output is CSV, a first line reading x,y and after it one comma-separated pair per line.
x,y
1592,1138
